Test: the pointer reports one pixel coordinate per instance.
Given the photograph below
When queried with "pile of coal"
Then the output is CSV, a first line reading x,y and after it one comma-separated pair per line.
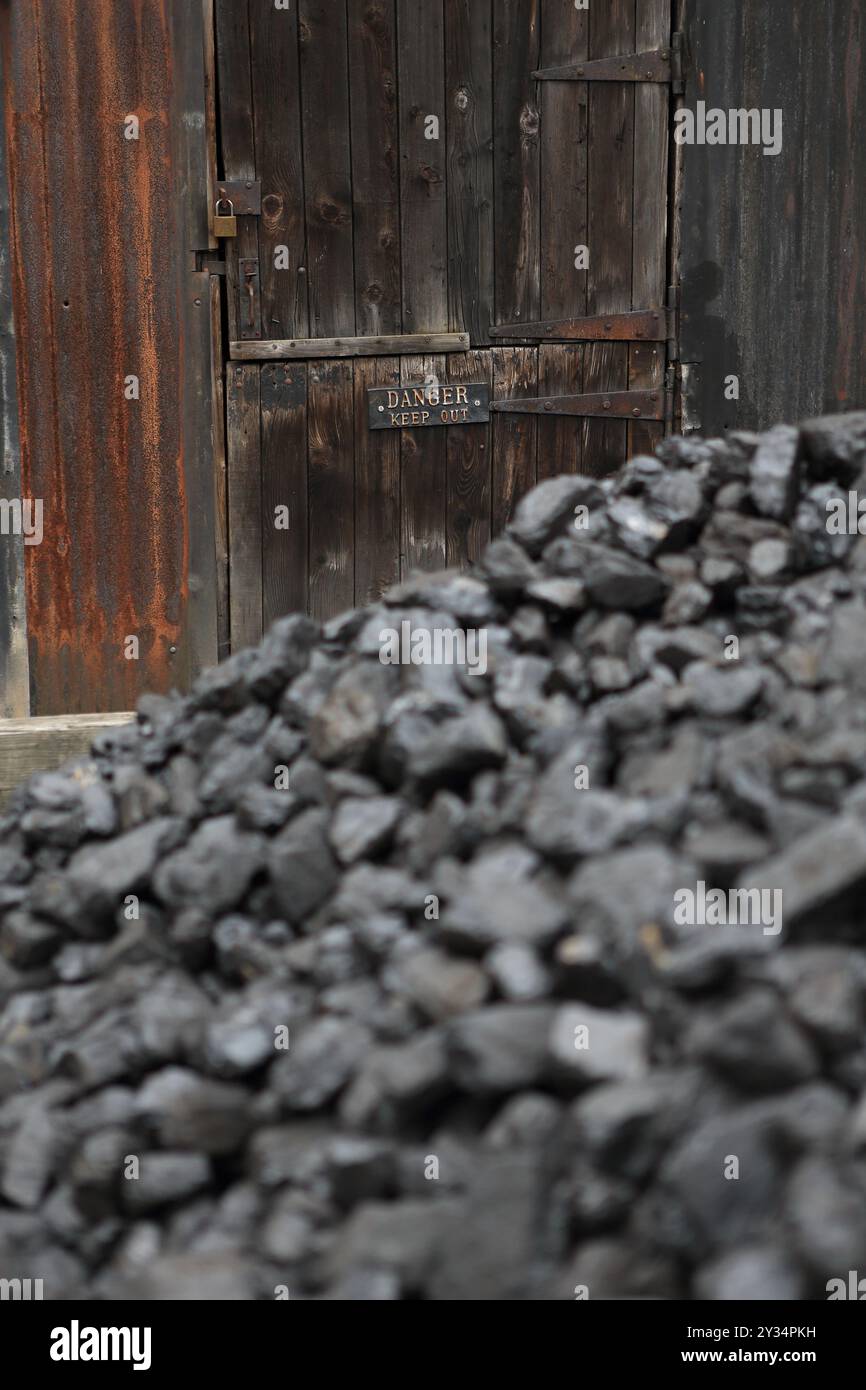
x,y
503,940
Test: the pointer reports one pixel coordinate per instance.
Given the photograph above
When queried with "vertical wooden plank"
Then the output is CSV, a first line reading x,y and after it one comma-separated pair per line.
x,y
14,664
377,487
516,160
469,77
515,374
220,483
237,141
564,116
276,96
564,227
199,644
422,480
467,469
244,505
284,489
561,439
650,214
327,167
424,233
330,434
375,165
210,95
611,201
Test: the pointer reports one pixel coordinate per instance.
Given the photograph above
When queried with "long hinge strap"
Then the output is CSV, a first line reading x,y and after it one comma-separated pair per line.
x,y
620,405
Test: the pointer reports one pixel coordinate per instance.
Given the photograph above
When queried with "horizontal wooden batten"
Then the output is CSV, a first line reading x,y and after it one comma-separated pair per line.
x,y
624,405
642,325
393,345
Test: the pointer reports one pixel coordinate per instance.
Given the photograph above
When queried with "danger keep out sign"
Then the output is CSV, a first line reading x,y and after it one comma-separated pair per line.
x,y
411,407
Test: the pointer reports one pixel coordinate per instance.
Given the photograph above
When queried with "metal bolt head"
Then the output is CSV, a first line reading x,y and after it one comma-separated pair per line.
x,y
381,409
606,405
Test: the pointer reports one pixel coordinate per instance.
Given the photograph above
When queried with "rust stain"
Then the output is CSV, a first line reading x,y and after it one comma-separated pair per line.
x,y
98,286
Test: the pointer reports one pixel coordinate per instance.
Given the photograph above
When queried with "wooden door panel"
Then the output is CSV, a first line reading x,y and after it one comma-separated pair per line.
x,y
423,182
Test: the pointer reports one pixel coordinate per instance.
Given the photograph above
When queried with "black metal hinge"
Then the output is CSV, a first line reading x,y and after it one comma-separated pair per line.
x,y
620,405
656,65
637,326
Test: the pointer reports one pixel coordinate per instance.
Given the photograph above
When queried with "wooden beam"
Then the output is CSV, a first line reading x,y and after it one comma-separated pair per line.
x,y
390,345
41,744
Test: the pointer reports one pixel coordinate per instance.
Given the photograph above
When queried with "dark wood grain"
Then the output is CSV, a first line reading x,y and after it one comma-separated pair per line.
x,y
516,160
469,80
331,442
388,346
513,466
327,166
564,228
746,290
424,245
244,505
284,485
375,165
423,507
564,114
377,487
468,456
237,137
650,212
611,193
220,478
560,440
276,96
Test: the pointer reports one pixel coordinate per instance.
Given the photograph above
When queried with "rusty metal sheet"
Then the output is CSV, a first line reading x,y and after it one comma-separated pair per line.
x,y
112,386
14,675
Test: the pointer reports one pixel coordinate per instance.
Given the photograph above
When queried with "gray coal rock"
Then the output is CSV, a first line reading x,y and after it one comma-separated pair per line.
x,y
487,978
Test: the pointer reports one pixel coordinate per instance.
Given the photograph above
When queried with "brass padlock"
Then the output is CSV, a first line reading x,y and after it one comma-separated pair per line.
x,y
224,224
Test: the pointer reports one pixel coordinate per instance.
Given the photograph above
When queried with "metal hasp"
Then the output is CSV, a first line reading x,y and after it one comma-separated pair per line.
x,y
656,65
248,290
245,195
641,325
620,405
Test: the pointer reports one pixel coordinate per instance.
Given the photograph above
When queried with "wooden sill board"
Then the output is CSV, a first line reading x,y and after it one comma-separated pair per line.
x,y
44,742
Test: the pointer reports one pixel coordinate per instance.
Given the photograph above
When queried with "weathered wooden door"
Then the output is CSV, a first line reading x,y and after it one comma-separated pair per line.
x,y
421,200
